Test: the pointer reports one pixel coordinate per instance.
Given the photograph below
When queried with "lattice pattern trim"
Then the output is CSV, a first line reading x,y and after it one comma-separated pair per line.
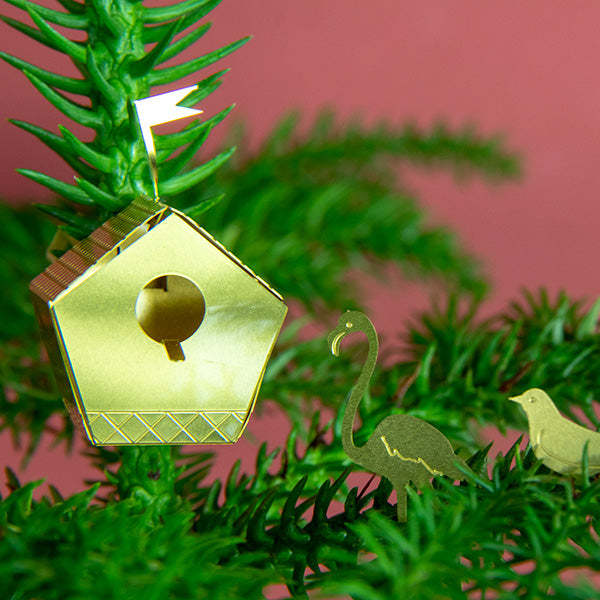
x,y
147,427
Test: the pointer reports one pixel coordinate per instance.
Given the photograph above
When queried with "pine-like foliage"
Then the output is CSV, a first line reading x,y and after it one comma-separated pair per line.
x,y
333,199
116,68
301,211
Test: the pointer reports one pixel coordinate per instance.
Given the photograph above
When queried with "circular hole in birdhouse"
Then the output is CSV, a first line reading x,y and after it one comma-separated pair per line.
x,y
170,308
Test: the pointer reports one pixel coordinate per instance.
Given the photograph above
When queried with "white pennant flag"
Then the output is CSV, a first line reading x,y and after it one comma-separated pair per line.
x,y
157,110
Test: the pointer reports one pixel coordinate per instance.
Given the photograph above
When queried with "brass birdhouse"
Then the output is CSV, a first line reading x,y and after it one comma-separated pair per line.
x,y
157,334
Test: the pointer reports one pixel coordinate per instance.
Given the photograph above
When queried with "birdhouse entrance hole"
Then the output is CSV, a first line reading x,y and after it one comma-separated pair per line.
x,y
169,309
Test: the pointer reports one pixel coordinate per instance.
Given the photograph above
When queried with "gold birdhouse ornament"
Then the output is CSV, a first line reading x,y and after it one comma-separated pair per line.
x,y
156,333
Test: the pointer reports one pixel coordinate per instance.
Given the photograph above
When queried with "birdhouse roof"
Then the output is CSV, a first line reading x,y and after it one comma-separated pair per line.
x,y
112,238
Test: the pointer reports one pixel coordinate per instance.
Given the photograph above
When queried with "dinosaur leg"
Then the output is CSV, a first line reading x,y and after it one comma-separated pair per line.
x,y
401,500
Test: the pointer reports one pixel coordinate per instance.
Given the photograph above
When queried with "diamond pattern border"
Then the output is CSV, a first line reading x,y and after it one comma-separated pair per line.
x,y
157,427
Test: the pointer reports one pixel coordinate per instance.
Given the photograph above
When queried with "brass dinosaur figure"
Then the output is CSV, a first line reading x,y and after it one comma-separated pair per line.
x,y
402,448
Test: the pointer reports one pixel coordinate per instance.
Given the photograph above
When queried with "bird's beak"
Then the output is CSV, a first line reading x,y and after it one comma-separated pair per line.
x,y
516,399
334,339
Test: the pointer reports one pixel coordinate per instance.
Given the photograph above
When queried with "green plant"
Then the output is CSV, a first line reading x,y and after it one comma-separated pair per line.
x,y
116,68
317,204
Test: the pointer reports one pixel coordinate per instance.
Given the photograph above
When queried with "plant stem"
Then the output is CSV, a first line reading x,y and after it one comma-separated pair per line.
x,y
148,474
115,39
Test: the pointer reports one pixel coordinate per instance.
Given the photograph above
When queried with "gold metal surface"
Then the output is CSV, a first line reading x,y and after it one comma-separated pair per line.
x,y
205,427
157,334
157,110
402,448
556,441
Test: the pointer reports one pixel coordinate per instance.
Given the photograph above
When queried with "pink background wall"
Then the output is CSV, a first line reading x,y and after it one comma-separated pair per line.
x,y
529,70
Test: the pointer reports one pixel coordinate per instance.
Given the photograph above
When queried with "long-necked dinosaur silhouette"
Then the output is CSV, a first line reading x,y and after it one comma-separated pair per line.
x,y
402,448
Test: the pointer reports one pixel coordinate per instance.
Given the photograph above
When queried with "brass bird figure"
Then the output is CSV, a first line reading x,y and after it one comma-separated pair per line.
x,y
556,441
402,448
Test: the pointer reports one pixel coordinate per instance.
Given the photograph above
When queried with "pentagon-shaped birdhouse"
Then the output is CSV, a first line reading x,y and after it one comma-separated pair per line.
x,y
156,333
